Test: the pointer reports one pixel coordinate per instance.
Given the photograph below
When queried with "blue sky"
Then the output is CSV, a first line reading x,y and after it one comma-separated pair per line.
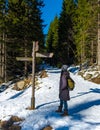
x,y
51,8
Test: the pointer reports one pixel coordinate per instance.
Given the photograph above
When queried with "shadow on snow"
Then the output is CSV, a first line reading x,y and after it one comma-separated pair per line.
x,y
74,111
96,90
18,94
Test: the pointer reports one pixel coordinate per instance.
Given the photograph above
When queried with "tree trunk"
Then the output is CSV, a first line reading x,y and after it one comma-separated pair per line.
x,y
25,68
2,60
98,51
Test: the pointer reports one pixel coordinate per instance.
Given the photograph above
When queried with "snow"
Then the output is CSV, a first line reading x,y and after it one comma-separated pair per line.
x,y
84,106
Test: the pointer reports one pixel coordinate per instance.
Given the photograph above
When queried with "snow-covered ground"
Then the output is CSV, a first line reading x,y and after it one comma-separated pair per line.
x,y
84,106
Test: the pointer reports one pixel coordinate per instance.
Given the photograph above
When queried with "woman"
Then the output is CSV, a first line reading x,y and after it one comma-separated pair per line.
x,y
63,90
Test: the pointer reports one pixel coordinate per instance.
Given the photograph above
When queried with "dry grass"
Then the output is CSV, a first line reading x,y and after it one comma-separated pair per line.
x,y
9,125
47,128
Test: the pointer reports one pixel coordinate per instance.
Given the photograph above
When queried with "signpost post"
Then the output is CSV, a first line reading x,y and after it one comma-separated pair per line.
x,y
33,78
34,55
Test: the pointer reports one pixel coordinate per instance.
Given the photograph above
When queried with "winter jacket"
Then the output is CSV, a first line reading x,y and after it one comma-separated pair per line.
x,y
63,89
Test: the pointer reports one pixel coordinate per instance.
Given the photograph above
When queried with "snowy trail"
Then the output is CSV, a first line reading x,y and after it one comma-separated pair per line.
x,y
84,106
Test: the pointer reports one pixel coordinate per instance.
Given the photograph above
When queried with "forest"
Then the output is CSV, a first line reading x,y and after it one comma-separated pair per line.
x,y
73,37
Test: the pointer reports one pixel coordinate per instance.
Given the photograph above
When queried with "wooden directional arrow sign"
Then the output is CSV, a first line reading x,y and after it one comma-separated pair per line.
x,y
23,59
32,59
44,55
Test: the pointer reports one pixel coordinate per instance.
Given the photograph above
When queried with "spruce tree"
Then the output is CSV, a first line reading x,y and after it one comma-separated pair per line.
x,y
52,39
3,9
84,21
23,24
66,43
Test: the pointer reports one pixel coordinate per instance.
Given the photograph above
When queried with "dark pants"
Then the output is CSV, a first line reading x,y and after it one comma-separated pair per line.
x,y
65,104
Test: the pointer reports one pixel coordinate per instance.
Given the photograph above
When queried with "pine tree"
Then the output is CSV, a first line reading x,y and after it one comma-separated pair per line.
x,y
52,39
49,39
3,8
84,21
23,24
66,43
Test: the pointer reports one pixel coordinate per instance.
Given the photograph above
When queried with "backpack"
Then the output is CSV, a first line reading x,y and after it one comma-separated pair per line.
x,y
71,84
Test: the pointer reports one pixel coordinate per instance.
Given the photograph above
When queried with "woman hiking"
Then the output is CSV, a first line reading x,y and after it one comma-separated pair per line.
x,y
64,91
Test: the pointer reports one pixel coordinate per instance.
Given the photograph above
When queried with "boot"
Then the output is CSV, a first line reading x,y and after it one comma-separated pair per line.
x,y
59,109
65,113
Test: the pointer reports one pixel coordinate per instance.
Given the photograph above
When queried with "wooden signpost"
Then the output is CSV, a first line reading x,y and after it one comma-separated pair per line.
x,y
34,55
44,55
